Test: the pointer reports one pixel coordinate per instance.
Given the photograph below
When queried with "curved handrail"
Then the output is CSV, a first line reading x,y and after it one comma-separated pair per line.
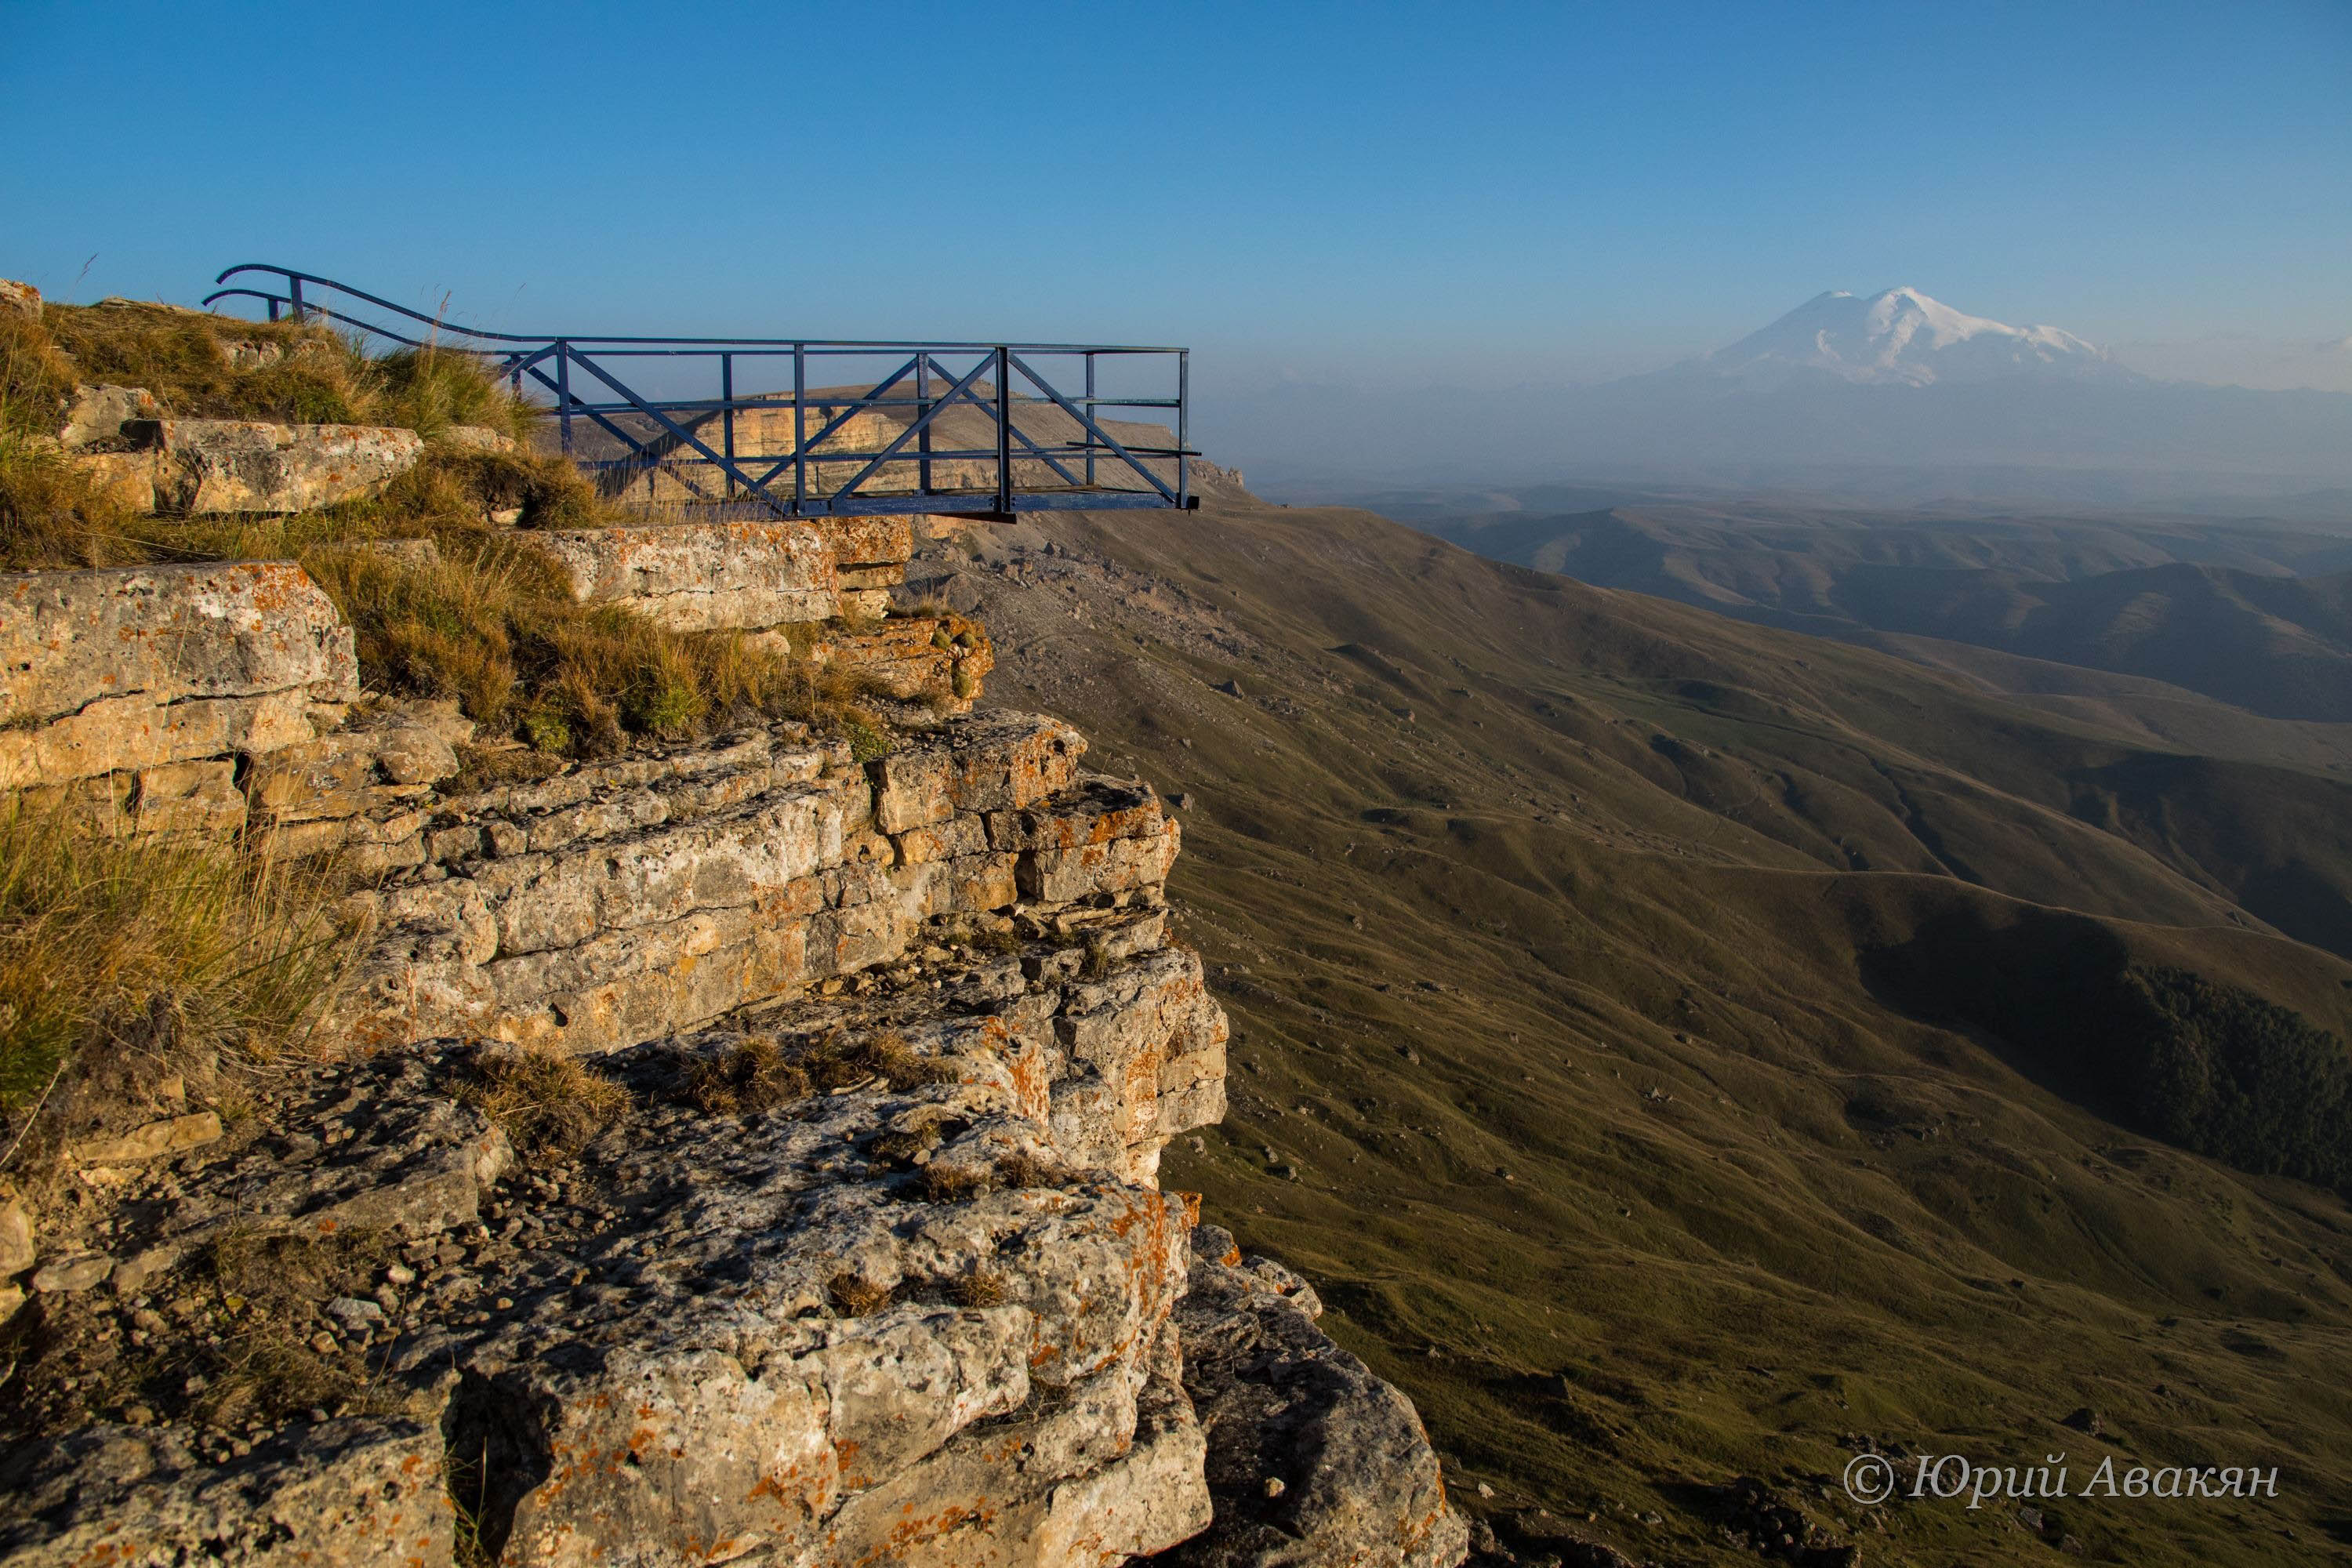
x,y
441,326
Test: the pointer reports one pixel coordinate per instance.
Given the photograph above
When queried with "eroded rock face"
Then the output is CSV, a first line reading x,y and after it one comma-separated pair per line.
x,y
204,465
138,666
98,414
745,575
604,906
941,657
356,1493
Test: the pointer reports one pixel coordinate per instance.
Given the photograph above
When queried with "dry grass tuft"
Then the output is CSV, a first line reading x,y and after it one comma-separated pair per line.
x,y
855,1296
843,1061
752,1077
202,366
1023,1169
492,623
953,1184
981,1287
52,516
102,931
759,1073
547,1102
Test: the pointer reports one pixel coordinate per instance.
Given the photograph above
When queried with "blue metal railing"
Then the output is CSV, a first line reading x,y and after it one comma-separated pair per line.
x,y
785,452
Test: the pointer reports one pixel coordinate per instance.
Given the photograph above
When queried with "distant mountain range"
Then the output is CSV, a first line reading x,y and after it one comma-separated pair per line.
x,y
2259,618
1892,397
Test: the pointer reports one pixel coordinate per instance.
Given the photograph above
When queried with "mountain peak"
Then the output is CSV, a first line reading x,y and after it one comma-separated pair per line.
x,y
1903,337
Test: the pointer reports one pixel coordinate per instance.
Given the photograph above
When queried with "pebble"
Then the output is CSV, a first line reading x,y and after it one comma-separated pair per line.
x,y
1273,1487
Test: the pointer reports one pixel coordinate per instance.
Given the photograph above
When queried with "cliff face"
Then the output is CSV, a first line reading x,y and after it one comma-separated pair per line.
x,y
856,1254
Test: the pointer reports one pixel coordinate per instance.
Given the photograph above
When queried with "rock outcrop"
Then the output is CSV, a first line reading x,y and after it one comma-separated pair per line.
x,y
704,576
196,467
131,670
876,1271
872,1267
614,902
1311,1457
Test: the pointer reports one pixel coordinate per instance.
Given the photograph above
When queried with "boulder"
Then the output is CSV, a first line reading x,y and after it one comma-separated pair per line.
x,y
123,480
475,438
20,299
98,413
17,1253
155,1141
137,667
205,466
1280,1403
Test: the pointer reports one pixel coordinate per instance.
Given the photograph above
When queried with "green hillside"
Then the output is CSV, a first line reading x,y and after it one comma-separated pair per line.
x,y
1571,1062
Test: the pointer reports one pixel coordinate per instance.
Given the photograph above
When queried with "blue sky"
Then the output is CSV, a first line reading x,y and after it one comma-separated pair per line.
x,y
1534,193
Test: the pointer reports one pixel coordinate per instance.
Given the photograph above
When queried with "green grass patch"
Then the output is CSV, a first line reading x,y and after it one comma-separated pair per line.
x,y
104,933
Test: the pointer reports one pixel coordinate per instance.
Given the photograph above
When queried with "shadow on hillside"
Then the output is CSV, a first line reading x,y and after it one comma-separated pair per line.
x,y
2209,1067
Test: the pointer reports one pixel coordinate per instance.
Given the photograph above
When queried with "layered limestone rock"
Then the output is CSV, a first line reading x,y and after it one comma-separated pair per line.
x,y
136,669
617,900
348,1491
818,585
197,467
912,655
706,577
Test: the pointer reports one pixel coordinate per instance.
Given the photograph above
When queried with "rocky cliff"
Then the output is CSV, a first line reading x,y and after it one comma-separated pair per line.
x,y
744,1150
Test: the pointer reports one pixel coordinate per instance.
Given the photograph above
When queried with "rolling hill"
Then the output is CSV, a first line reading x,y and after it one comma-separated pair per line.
x,y
2213,611
1574,940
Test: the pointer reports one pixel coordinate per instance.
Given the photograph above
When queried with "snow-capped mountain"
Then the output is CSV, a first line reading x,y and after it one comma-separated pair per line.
x,y
1901,338
1893,395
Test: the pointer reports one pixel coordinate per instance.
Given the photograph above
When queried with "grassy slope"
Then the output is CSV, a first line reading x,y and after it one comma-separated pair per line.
x,y
1591,917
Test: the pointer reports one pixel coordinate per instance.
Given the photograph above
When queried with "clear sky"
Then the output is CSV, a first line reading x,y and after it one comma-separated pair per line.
x,y
1464,192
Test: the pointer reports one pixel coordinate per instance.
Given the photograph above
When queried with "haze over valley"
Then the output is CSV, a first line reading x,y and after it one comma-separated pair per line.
x,y
1892,398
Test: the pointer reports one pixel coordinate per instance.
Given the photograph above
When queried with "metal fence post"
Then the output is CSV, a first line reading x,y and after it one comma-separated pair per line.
x,y
727,415
294,290
1183,426
563,392
1005,431
1088,433
799,428
923,411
